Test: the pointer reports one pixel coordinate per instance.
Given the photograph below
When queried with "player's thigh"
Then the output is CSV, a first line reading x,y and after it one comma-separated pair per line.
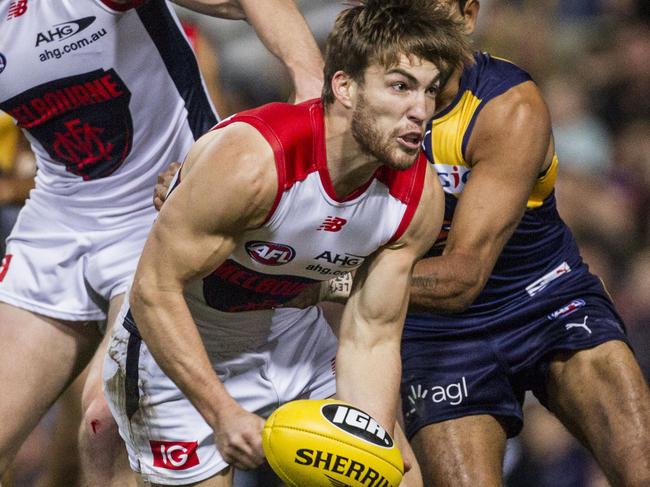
x,y
600,393
93,387
466,451
40,357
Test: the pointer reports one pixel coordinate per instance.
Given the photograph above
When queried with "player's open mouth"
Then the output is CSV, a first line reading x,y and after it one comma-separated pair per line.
x,y
412,140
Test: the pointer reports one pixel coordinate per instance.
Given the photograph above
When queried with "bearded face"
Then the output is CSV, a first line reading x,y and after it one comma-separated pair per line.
x,y
378,139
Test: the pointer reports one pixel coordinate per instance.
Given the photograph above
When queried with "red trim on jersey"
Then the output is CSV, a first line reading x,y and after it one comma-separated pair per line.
x,y
323,172
294,132
192,33
123,7
407,187
329,187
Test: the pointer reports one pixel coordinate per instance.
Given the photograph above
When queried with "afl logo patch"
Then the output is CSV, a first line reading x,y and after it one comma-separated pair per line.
x,y
3,62
270,253
357,423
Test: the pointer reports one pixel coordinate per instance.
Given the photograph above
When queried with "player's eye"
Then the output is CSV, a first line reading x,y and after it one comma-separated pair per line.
x,y
433,90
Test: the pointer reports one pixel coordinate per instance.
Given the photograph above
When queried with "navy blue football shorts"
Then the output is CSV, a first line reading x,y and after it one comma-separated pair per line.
x,y
462,365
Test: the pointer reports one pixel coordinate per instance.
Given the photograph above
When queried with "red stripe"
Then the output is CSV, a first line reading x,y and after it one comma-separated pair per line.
x,y
123,6
409,192
295,133
275,144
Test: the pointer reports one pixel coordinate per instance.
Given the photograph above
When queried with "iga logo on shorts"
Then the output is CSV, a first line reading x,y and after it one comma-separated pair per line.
x,y
174,455
357,423
270,253
3,62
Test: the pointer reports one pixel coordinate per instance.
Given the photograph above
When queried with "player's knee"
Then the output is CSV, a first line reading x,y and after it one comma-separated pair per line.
x,y
98,425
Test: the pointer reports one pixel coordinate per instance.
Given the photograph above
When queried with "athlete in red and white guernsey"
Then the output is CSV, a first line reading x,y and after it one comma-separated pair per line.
x,y
272,200
108,92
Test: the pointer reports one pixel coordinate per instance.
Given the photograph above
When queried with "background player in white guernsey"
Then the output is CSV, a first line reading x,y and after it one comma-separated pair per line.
x,y
108,92
273,200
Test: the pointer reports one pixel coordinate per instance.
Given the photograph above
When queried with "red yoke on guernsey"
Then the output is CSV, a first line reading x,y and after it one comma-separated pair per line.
x,y
310,234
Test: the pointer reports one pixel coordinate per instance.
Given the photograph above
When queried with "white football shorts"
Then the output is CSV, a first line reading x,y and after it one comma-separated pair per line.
x,y
167,440
66,265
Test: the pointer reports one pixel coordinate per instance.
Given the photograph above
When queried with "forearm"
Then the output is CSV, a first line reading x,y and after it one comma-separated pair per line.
x,y
167,328
285,33
368,376
446,284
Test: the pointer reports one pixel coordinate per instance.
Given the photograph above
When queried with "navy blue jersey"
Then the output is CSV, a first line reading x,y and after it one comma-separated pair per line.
x,y
540,298
542,249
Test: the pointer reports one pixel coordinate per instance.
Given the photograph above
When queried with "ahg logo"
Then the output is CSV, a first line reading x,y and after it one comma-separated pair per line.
x,y
343,260
270,253
357,423
3,62
62,31
174,455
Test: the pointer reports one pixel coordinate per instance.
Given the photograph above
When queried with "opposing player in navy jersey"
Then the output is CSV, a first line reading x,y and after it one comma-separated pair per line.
x,y
273,200
503,304
108,92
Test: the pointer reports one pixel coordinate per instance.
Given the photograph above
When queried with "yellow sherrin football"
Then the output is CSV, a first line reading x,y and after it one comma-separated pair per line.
x,y
329,443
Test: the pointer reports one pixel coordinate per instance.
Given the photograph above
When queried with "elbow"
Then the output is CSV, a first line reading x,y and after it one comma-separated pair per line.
x,y
467,292
140,297
462,301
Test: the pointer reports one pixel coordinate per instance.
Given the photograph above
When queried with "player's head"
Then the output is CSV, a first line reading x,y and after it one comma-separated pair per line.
x,y
384,62
468,9
379,31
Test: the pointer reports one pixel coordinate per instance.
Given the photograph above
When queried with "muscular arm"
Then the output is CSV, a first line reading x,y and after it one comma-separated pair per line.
x,y
510,146
283,31
194,233
368,361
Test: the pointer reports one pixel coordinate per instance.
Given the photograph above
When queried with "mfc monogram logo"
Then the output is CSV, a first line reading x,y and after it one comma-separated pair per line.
x,y
82,121
80,144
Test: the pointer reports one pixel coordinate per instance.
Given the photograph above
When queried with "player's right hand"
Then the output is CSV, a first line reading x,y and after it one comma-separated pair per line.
x,y
238,436
162,184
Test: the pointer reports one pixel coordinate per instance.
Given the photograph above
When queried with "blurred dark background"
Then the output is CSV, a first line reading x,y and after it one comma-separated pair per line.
x,y
591,59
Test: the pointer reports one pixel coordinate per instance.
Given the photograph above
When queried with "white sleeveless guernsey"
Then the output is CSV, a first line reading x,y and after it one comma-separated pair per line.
x,y
263,356
107,94
310,234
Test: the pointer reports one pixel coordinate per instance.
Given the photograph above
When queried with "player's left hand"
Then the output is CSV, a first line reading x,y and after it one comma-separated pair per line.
x,y
162,184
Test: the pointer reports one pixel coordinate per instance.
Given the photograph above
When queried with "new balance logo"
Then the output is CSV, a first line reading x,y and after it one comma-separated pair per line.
x,y
568,326
16,9
332,224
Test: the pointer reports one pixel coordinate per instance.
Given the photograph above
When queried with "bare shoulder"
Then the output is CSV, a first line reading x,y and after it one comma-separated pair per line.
x,y
427,220
520,107
516,126
232,167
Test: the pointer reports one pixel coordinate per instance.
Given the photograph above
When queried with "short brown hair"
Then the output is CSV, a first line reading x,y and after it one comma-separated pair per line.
x,y
381,30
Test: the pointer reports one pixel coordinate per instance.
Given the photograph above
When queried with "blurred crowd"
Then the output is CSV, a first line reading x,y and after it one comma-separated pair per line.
x,y
592,60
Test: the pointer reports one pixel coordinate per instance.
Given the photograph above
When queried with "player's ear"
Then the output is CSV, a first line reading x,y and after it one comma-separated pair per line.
x,y
343,88
470,14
